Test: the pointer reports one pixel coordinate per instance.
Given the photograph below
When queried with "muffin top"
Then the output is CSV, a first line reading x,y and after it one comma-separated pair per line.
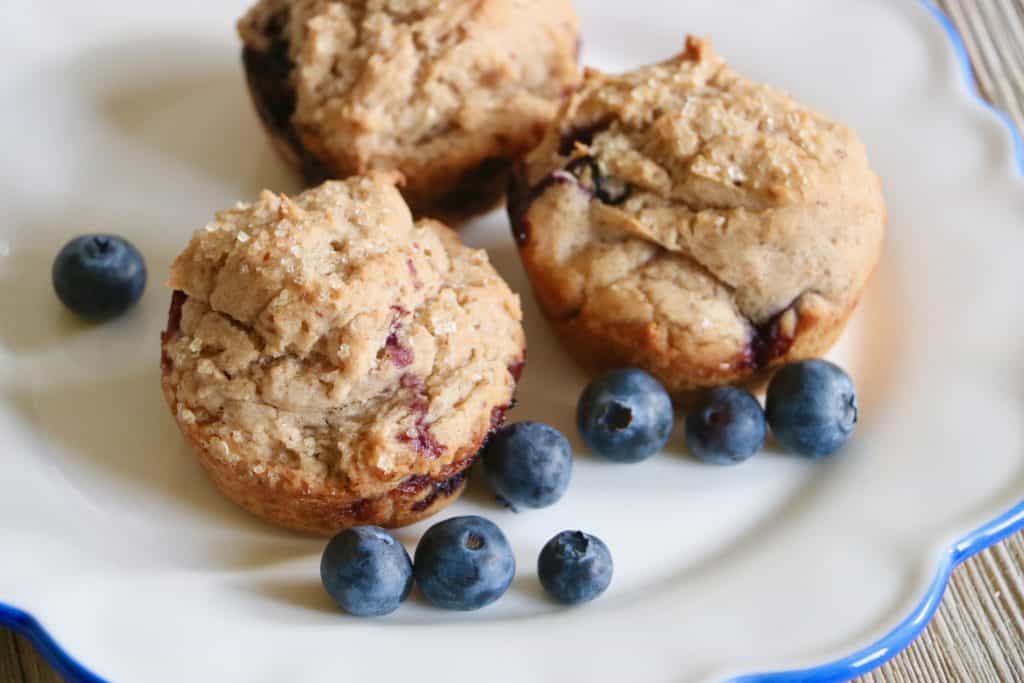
x,y
403,83
693,207
327,340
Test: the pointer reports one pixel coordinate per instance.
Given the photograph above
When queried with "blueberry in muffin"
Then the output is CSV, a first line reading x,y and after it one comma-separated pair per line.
x,y
449,94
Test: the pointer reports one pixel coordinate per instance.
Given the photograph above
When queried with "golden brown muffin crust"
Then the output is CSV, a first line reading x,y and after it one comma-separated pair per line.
x,y
329,348
448,93
688,220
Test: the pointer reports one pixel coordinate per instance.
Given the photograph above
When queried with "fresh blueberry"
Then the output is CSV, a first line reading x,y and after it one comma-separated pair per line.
x,y
812,407
625,416
366,571
464,563
575,567
99,276
528,464
726,427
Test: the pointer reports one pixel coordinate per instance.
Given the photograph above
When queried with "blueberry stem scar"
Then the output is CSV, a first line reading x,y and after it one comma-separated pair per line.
x,y
618,416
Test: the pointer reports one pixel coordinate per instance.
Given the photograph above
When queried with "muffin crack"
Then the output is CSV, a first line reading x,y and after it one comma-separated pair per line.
x,y
441,92
766,218
321,352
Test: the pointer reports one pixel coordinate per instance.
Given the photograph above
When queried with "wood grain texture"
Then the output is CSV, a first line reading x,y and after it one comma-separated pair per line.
x,y
978,632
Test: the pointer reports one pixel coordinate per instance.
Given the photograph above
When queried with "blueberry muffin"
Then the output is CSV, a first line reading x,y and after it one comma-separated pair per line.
x,y
334,363
689,221
450,93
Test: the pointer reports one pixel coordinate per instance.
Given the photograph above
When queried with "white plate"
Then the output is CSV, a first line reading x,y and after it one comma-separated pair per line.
x,y
132,117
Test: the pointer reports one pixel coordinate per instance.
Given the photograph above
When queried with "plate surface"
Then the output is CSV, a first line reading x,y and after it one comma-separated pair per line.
x,y
134,120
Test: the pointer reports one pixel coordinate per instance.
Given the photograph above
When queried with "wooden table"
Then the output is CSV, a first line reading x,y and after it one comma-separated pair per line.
x,y
978,632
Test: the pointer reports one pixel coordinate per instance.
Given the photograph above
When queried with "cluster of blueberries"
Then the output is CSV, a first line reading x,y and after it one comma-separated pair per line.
x,y
462,563
811,407
466,563
626,416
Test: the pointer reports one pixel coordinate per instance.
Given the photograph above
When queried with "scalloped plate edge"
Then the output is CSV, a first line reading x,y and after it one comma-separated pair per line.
x,y
845,668
984,536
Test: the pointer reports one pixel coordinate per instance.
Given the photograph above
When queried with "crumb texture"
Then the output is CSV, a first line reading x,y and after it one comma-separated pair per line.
x,y
433,89
695,222
330,343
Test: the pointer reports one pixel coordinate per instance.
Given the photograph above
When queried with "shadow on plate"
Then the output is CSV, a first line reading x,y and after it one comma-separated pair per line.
x,y
306,593
116,443
187,101
117,432
34,320
479,492
303,593
528,585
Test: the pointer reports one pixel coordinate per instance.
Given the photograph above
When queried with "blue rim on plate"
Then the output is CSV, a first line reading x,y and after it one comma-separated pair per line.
x,y
843,669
